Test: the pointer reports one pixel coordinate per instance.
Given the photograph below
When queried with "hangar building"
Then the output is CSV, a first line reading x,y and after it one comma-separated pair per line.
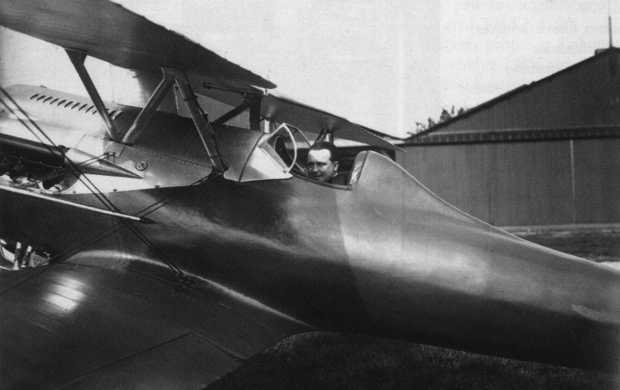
x,y
545,153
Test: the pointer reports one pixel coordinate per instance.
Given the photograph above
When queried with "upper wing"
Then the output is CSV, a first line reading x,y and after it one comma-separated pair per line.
x,y
278,108
114,34
102,322
108,31
282,109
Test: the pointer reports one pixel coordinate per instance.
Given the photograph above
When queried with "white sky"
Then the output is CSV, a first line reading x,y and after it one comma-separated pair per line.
x,y
383,64
491,46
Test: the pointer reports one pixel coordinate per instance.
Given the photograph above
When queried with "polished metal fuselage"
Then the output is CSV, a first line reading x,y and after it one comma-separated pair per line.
x,y
382,256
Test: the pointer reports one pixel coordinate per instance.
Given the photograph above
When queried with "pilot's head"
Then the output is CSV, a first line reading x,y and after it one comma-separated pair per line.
x,y
320,164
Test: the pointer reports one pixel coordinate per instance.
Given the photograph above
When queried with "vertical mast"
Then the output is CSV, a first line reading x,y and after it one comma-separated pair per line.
x,y
609,30
611,43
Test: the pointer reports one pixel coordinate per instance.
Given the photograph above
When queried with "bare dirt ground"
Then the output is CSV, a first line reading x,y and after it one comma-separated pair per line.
x,y
335,361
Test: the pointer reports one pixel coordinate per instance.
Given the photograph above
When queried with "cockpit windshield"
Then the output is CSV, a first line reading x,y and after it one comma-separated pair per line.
x,y
291,145
250,157
287,151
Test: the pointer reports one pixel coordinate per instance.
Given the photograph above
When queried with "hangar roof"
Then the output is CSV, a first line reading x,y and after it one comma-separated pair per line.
x,y
584,95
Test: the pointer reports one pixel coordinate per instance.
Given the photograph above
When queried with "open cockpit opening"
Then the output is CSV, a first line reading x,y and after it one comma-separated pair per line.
x,y
320,159
279,154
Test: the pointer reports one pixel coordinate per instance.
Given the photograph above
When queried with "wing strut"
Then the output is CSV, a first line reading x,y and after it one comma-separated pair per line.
x,y
202,125
255,108
77,57
231,114
143,118
252,103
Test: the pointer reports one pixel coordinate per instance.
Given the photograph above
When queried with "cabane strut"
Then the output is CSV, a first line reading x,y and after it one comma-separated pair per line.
x,y
170,76
77,58
202,125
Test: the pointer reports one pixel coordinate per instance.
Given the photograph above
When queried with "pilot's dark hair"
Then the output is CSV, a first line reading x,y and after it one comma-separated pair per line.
x,y
333,151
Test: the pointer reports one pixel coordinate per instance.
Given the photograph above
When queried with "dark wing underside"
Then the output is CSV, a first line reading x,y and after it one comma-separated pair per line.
x,y
114,34
125,325
312,119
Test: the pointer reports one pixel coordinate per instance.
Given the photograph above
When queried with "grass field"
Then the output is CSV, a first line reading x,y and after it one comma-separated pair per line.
x,y
335,361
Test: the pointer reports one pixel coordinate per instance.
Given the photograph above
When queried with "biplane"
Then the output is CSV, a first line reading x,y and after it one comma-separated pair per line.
x,y
143,248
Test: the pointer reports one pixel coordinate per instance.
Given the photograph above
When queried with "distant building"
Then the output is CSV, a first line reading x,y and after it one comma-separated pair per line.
x,y
545,153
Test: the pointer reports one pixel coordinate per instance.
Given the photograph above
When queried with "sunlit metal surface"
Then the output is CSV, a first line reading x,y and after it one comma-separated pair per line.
x,y
66,295
61,301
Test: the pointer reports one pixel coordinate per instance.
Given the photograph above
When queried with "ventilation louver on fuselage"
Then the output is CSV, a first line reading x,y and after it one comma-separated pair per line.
x,y
70,104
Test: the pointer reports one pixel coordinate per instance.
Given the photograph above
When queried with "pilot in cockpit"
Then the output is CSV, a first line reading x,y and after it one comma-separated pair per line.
x,y
322,165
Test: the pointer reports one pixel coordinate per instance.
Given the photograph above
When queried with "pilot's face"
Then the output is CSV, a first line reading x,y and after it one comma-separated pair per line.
x,y
320,165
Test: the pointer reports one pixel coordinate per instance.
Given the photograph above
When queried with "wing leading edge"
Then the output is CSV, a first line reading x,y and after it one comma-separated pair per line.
x,y
110,32
83,325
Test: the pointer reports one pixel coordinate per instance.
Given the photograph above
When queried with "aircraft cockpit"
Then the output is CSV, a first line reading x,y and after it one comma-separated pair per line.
x,y
282,153
293,146
288,131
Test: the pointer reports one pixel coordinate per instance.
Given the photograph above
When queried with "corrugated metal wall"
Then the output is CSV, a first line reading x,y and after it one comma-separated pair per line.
x,y
524,183
597,180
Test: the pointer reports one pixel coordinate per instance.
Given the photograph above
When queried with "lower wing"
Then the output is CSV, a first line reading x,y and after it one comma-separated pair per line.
x,y
100,321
